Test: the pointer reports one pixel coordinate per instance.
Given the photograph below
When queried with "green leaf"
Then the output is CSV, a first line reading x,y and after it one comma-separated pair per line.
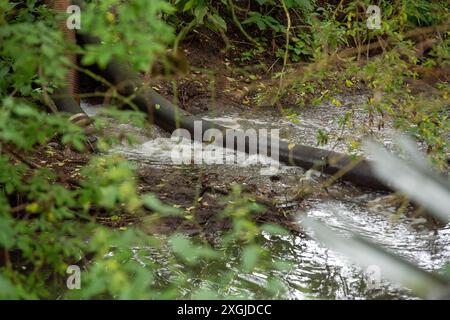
x,y
153,203
7,234
218,20
250,257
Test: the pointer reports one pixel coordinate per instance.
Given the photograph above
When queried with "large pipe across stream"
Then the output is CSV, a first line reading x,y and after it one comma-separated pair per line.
x,y
169,117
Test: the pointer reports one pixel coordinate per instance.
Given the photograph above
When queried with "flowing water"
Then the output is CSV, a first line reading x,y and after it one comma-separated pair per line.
x,y
319,272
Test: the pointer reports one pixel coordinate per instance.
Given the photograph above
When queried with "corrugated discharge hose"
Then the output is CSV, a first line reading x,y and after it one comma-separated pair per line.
x,y
64,97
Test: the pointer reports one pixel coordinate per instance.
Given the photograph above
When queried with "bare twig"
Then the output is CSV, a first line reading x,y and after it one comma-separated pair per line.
x,y
20,158
286,51
239,25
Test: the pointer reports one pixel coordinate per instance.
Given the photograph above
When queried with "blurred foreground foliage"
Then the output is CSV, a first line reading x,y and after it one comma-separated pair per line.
x,y
45,225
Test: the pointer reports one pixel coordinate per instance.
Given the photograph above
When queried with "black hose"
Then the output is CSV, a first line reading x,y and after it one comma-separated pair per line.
x,y
65,102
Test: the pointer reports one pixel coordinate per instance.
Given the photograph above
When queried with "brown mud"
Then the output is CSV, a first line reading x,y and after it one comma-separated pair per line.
x,y
201,195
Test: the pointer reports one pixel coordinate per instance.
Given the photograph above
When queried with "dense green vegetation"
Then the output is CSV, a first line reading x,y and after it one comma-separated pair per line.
x,y
320,48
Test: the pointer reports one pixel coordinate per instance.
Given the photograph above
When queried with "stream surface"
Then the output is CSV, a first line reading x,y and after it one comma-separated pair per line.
x,y
319,272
